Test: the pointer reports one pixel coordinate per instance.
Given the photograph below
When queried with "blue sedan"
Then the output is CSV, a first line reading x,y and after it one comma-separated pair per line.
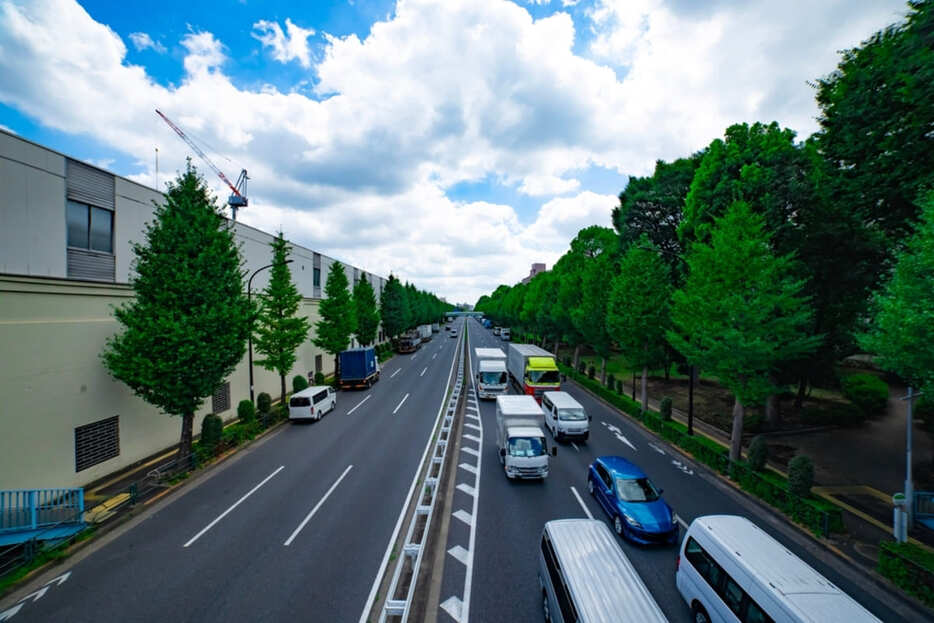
x,y
631,500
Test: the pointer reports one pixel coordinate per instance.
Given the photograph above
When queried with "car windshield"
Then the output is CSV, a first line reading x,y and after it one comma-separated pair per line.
x,y
575,414
636,490
493,378
526,446
544,376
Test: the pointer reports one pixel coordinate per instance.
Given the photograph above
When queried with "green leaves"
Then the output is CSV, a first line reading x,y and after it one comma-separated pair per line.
x,y
364,302
393,308
338,318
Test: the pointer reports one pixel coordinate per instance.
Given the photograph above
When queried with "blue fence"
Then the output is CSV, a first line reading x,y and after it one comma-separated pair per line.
x,y
33,509
924,508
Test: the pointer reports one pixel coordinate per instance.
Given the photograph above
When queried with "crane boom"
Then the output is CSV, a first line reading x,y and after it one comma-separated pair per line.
x,y
237,199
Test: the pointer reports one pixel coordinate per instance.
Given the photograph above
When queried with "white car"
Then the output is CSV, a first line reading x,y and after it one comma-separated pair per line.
x,y
312,403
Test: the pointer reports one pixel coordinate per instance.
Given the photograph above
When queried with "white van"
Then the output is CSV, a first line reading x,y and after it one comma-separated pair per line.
x,y
565,417
731,570
312,403
504,333
586,577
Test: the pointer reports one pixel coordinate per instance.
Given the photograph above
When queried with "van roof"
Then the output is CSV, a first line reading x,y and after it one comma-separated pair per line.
x,y
518,405
606,586
309,391
489,353
495,365
812,596
563,400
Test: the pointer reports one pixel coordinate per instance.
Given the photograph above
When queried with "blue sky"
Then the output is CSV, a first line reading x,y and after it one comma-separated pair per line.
x,y
453,142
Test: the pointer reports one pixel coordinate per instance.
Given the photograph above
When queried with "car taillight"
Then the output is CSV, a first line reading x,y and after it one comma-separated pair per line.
x,y
529,391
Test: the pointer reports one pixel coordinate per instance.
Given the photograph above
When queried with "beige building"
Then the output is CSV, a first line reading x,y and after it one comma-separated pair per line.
x,y
65,263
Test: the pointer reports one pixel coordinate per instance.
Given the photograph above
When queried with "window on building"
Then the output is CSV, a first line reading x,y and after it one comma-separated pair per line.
x,y
97,442
319,365
220,401
317,277
90,227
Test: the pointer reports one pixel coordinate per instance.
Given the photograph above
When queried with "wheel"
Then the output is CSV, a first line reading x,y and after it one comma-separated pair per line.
x,y
545,606
700,615
618,525
586,436
590,486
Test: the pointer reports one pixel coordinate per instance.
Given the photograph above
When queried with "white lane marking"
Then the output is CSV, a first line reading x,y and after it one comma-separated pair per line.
x,y
470,450
424,371
398,406
398,370
575,446
405,505
459,553
681,521
464,516
474,407
471,437
453,606
581,502
467,466
471,544
683,467
473,426
625,441
235,505
655,447
435,355
358,405
466,488
619,435
289,540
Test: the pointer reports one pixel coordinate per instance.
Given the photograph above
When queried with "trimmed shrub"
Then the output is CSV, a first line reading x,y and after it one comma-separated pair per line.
x,y
299,383
910,567
611,381
800,476
619,386
319,378
581,366
212,426
868,393
664,408
591,372
758,453
263,402
245,411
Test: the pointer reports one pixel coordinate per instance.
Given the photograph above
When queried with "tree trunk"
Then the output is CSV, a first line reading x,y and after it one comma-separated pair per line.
x,y
603,370
799,399
282,389
736,437
184,443
645,383
544,339
773,414
577,355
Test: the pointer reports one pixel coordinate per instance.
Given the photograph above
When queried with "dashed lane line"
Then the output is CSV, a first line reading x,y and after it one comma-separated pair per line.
x,y
358,405
308,517
424,371
399,406
398,370
581,502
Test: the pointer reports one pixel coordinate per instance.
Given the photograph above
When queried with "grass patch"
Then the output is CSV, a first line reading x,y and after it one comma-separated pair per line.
x,y
910,567
59,552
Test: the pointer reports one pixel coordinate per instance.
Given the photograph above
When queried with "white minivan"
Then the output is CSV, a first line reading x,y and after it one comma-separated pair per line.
x,y
585,577
565,417
312,403
730,570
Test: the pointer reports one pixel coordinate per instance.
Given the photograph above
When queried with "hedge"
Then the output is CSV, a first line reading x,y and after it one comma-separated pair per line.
x,y
820,516
868,393
910,567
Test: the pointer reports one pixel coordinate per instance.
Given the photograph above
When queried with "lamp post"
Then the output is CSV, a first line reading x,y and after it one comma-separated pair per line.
x,y
249,286
909,485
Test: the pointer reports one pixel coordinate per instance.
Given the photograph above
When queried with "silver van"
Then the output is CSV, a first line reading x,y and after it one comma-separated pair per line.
x,y
312,403
565,417
586,577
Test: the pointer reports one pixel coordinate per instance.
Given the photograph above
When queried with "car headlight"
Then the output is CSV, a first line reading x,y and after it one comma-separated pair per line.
x,y
632,522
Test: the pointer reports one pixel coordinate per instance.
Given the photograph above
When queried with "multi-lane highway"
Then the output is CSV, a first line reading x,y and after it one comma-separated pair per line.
x,y
293,529
510,516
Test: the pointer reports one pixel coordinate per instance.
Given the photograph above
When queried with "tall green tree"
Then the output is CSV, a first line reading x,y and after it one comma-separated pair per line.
x,y
877,111
392,308
338,319
638,310
279,330
741,311
364,303
186,328
903,331
596,253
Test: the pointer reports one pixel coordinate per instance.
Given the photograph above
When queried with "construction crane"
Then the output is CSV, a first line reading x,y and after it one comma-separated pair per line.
x,y
238,197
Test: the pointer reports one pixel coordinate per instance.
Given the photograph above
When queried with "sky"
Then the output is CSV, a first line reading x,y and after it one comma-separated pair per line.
x,y
450,142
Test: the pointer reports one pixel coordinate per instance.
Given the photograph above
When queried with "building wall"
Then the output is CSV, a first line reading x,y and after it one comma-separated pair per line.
x,y
53,329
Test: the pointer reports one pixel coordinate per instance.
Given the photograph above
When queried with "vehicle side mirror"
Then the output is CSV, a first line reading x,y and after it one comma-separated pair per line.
x,y
502,451
554,450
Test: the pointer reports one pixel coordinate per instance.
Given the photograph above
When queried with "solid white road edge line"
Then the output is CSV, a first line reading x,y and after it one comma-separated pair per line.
x,y
398,370
358,405
471,547
581,502
404,398
405,503
235,505
289,540
424,371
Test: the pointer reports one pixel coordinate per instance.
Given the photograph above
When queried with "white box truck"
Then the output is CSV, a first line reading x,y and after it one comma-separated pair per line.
x,y
424,332
523,450
492,377
533,370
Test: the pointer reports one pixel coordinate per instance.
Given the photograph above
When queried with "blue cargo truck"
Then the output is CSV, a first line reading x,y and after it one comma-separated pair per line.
x,y
358,368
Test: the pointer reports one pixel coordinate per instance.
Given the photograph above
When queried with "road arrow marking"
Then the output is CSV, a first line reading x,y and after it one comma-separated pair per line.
x,y
656,448
684,468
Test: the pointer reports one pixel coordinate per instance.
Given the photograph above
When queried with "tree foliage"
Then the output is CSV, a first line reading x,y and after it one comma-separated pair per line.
x,y
338,319
364,303
187,325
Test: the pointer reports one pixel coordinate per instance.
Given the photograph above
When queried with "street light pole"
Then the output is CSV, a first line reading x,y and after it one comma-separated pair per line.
x,y
692,372
909,485
249,286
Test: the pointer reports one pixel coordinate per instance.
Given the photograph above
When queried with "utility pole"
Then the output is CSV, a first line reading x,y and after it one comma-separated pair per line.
x,y
909,485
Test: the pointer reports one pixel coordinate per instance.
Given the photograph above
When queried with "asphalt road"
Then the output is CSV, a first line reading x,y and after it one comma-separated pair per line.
x,y
511,515
187,562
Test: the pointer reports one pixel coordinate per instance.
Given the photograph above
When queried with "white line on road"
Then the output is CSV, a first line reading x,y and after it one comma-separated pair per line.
x,y
581,502
681,521
435,355
424,371
400,404
235,505
575,446
358,405
398,370
289,540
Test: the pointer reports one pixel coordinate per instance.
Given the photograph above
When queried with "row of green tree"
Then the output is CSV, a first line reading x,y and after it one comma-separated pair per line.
x,y
762,260
189,322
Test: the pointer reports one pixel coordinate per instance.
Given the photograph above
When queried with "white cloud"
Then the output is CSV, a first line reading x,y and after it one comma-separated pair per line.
x,y
142,41
437,94
286,46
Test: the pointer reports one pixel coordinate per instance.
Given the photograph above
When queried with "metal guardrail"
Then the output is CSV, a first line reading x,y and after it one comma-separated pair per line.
x,y
30,509
419,526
